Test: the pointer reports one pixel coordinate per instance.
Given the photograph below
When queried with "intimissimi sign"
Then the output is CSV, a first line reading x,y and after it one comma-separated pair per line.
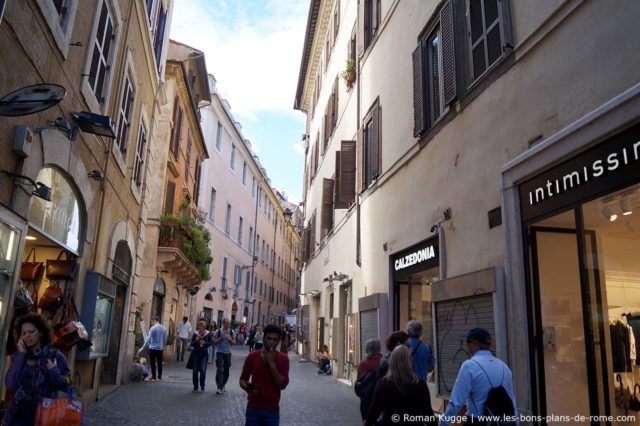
x,y
610,165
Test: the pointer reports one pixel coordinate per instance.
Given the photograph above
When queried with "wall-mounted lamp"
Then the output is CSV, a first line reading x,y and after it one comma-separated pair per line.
x,y
40,189
96,175
88,122
212,289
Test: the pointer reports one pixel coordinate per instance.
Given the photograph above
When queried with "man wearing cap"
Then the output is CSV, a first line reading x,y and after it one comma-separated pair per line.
x,y
476,377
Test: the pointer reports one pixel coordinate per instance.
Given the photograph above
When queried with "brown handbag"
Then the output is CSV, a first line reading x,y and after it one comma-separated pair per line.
x,y
51,300
62,269
31,271
66,333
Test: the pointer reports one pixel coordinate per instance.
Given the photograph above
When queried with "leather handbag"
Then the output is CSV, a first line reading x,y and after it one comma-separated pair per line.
x,y
65,333
31,271
62,269
51,300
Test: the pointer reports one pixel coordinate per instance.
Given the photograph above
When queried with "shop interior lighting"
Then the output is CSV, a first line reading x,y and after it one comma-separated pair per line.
x,y
625,207
606,211
30,238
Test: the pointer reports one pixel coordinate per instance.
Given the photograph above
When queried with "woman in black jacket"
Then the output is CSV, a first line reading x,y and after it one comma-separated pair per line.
x,y
200,342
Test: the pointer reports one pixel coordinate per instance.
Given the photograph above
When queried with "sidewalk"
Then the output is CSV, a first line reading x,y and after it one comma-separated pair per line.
x,y
310,399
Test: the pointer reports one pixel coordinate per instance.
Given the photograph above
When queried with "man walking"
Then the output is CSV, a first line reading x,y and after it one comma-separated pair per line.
x,y
476,378
184,334
155,343
421,353
224,337
265,374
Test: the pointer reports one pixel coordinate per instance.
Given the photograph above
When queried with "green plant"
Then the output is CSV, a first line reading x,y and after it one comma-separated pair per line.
x,y
194,240
138,311
349,73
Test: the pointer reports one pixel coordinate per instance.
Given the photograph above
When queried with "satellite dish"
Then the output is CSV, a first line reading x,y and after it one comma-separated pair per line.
x,y
31,99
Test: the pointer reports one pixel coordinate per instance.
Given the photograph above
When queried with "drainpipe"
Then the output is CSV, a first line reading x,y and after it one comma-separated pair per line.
x,y
358,101
253,252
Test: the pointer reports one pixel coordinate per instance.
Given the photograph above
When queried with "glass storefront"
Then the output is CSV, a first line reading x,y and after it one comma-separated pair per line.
x,y
585,276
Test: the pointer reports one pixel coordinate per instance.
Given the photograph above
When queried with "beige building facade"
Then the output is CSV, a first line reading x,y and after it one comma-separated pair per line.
x,y
477,170
108,57
252,244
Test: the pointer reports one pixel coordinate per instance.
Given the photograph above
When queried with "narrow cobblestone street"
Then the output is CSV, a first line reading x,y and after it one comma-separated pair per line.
x,y
310,399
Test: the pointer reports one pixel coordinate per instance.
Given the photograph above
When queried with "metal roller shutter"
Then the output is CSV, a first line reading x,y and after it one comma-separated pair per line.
x,y
368,328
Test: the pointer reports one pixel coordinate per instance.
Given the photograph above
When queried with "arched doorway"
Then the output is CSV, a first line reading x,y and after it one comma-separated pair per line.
x,y
157,305
121,274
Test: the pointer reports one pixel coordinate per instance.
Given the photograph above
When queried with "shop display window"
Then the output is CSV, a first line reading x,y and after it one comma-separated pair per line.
x,y
101,324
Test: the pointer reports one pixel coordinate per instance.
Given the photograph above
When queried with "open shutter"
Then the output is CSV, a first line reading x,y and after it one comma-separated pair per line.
x,y
312,235
326,219
359,161
169,196
361,24
448,53
375,142
305,240
336,184
336,104
347,173
419,119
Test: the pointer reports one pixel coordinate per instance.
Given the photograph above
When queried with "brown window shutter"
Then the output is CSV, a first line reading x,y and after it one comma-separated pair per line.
x,y
361,23
176,142
419,109
168,200
326,219
359,160
336,104
324,129
347,173
305,237
448,53
336,184
312,235
316,158
375,142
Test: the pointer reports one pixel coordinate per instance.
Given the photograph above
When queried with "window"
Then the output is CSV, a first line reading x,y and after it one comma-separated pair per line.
x,y
139,158
244,173
263,251
196,183
99,73
237,279
232,159
371,20
125,115
240,225
485,34
250,239
227,220
258,245
158,34
168,201
371,146
176,129
212,205
326,217
345,175
223,284
219,136
254,185
59,16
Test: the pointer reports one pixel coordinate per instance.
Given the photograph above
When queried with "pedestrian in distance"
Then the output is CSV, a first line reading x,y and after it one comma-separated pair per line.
x,y
395,339
483,380
284,339
259,337
184,334
224,338
212,349
200,343
37,371
265,374
422,359
251,341
400,393
155,343
367,377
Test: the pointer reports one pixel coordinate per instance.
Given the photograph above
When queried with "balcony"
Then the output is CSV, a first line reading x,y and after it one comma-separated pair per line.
x,y
180,251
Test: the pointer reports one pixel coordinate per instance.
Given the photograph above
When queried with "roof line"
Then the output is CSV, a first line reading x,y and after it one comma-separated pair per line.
x,y
312,20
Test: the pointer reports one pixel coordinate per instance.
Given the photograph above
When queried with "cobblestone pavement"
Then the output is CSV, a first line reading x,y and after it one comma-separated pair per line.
x,y
309,400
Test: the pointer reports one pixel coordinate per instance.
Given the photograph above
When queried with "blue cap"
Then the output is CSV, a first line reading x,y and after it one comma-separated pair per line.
x,y
478,334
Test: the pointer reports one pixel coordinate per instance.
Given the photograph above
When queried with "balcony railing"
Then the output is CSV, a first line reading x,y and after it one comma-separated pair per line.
x,y
176,254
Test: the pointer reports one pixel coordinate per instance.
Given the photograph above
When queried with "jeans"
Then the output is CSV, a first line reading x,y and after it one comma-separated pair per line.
x,y
181,346
223,363
155,358
262,417
199,366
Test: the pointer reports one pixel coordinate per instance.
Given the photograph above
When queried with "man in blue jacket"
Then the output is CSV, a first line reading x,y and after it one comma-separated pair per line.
x,y
422,355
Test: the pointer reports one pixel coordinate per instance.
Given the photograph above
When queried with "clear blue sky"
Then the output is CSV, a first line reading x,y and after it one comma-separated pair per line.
x,y
253,48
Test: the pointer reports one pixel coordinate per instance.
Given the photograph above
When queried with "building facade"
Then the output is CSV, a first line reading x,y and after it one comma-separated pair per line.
x,y
469,165
253,246
103,61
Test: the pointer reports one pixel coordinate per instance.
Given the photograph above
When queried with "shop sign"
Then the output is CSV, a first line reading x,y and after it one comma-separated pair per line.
x,y
422,255
611,165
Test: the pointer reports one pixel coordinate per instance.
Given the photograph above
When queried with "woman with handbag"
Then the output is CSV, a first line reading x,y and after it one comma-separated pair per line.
x,y
200,343
37,371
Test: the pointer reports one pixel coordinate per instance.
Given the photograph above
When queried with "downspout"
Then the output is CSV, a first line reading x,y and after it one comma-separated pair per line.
x,y
253,254
358,220
273,269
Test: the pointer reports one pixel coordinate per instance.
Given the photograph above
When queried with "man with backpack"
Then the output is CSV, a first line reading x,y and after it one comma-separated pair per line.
x,y
484,384
422,360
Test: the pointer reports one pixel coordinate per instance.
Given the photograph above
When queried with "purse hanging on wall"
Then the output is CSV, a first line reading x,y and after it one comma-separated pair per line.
x,y
62,269
51,299
31,271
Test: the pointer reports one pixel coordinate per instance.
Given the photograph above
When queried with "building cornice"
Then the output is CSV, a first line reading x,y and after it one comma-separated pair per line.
x,y
312,20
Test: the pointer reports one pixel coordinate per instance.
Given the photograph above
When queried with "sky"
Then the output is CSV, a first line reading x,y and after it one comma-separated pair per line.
x,y
253,48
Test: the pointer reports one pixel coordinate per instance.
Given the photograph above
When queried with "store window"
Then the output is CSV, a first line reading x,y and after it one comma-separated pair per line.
x,y
101,324
9,243
61,218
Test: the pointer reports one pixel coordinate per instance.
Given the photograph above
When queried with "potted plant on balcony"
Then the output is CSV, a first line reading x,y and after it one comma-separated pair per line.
x,y
192,239
349,74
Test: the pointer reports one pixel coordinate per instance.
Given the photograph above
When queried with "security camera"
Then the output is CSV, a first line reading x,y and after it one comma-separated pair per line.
x,y
434,228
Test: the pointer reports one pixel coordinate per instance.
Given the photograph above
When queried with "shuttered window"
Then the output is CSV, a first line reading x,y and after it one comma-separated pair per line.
x,y
168,200
196,185
125,116
485,33
345,176
139,158
369,22
326,223
371,146
177,128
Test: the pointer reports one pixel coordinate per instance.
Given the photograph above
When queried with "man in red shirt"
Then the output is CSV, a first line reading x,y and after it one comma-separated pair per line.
x,y
265,373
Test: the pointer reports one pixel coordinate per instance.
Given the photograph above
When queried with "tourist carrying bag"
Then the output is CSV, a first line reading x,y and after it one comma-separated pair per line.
x,y
62,269
59,411
31,271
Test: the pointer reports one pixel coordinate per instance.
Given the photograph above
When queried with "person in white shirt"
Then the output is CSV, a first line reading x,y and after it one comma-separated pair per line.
x,y
184,334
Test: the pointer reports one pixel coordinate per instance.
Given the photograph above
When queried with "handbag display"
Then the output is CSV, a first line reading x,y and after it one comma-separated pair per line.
x,y
622,395
69,332
62,269
59,411
22,303
634,403
31,271
51,300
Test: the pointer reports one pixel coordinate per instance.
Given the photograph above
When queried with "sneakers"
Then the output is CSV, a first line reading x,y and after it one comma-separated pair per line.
x,y
219,392
223,390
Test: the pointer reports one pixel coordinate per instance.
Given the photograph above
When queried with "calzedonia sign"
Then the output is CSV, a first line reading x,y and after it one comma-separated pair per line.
x,y
420,256
609,166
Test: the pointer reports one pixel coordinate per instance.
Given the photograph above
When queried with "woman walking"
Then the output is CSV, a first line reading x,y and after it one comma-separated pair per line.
x,y
212,349
259,338
37,370
400,393
200,343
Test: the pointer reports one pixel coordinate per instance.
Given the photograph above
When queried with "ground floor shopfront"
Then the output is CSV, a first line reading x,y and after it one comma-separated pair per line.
x,y
572,223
